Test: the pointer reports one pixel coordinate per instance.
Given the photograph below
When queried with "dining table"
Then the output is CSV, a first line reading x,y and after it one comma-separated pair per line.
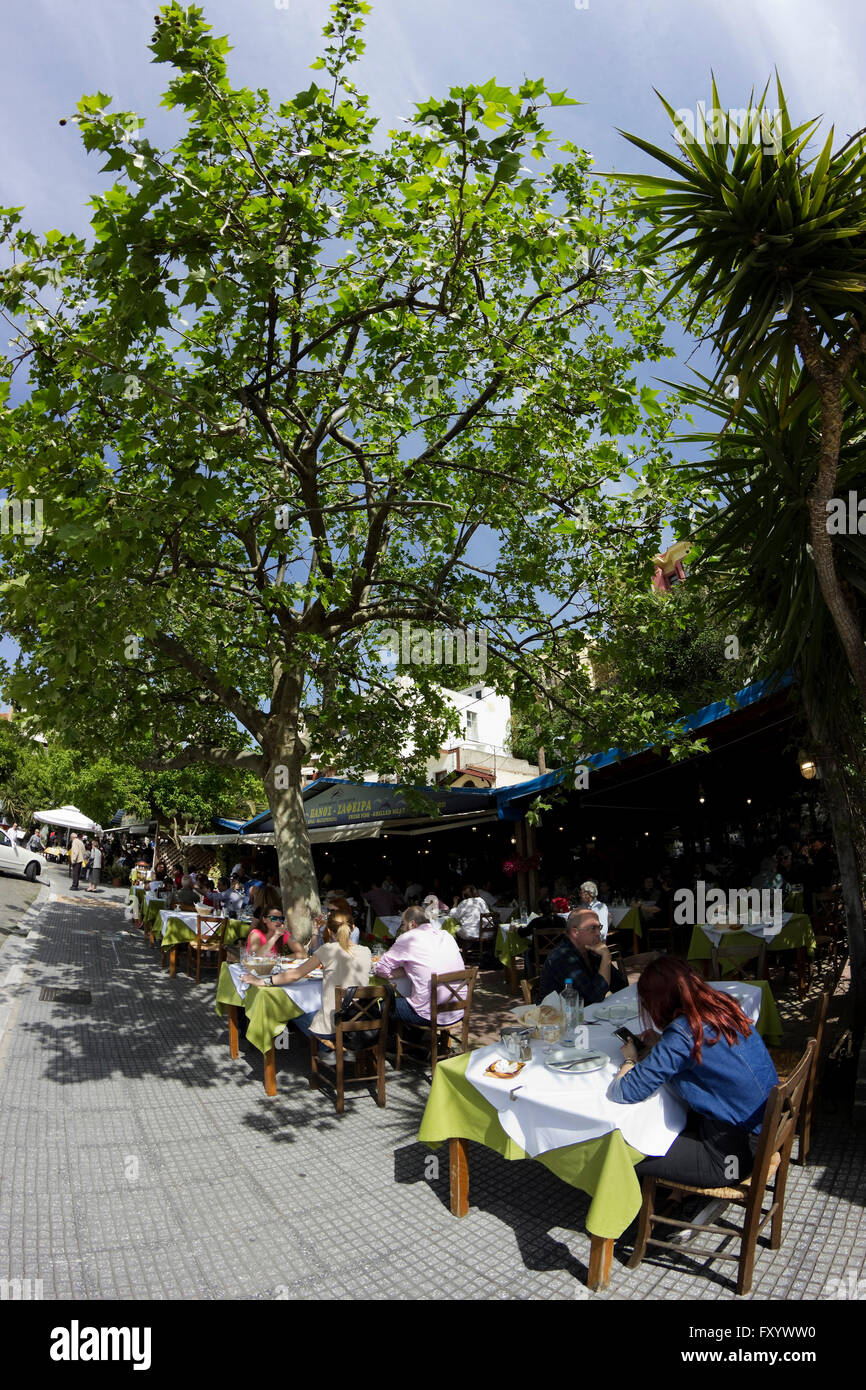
x,y
564,1120
177,928
793,933
386,928
267,1011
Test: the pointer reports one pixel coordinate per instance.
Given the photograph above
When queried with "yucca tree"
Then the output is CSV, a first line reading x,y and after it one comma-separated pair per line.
x,y
754,549
770,238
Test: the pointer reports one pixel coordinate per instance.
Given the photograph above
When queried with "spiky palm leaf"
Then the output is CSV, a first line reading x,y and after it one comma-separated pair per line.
x,y
763,230
753,522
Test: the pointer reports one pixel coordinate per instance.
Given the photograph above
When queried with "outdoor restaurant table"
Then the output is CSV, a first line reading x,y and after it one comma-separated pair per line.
x,y
626,919
180,927
385,927
268,1010
796,935
559,1121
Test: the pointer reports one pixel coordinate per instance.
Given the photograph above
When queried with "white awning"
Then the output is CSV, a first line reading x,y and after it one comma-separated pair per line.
x,y
69,817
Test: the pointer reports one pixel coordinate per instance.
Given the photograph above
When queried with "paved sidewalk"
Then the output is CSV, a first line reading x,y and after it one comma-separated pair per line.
x,y
140,1161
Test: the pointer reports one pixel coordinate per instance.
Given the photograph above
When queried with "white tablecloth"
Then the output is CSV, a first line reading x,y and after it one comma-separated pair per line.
x,y
764,931
551,1111
307,994
189,919
392,924
616,914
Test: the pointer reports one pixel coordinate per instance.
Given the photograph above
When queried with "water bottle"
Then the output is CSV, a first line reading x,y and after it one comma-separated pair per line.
x,y
568,999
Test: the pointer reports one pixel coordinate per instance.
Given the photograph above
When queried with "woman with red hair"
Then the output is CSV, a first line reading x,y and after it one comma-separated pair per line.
x,y
713,1059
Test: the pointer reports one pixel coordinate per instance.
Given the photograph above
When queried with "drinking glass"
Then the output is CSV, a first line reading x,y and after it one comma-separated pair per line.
x,y
510,1038
549,1035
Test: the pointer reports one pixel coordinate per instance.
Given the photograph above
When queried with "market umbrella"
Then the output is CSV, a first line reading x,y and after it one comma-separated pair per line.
x,y
69,818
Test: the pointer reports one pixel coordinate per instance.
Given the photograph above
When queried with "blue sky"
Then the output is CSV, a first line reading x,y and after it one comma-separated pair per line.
x,y
609,55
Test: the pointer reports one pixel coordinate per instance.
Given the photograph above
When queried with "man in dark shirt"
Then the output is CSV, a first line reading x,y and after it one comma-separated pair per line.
x,y
582,957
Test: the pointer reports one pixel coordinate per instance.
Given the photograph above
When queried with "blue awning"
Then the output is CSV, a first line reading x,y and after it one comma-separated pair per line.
x,y
709,714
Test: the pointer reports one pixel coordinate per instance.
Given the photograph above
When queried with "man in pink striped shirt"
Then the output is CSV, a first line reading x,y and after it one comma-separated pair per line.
x,y
421,951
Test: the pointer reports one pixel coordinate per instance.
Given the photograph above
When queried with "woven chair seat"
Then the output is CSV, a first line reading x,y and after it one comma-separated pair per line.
x,y
738,1193
784,1060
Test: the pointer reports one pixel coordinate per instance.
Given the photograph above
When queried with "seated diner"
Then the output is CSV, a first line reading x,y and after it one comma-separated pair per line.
x,y
707,1051
421,951
582,957
343,964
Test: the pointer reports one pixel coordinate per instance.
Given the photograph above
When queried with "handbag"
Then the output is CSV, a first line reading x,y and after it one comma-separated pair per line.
x,y
840,1075
358,1039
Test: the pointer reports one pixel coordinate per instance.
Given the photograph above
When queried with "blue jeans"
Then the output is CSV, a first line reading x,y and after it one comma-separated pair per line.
x,y
404,1011
303,1022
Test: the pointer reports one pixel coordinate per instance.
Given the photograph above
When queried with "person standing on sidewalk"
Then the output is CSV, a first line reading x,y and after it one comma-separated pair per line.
x,y
77,855
95,867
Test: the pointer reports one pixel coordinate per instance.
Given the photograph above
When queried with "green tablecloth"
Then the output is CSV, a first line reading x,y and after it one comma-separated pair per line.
x,y
630,922
794,902
602,1167
150,911
267,1010
509,945
177,932
798,932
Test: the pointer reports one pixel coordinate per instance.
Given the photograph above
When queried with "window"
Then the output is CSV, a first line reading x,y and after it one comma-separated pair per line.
x,y
471,724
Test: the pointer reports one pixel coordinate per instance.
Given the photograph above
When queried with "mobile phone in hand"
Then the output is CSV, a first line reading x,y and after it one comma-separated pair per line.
x,y
628,1036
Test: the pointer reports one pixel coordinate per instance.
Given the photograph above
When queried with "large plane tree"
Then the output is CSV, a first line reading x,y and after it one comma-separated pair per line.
x,y
301,382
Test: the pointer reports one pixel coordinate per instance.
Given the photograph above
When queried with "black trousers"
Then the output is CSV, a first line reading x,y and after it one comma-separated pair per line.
x,y
708,1153
76,873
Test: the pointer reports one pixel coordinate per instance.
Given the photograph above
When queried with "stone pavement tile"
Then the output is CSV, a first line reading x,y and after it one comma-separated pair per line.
x,y
140,1161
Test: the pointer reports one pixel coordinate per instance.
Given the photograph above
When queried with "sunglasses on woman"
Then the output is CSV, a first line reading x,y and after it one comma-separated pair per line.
x,y
275,917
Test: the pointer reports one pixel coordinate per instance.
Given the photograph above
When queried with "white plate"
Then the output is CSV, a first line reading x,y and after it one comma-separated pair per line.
x,y
616,1013
578,1063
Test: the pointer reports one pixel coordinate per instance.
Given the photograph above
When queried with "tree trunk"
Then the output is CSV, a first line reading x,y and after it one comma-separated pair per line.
x,y
846,853
829,376
283,782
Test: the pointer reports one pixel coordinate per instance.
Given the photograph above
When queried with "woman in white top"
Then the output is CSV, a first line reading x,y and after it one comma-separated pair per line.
x,y
469,912
343,964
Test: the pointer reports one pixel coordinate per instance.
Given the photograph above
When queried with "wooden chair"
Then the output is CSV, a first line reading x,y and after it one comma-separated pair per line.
x,y
543,941
472,948
528,988
459,986
742,949
376,1002
209,938
781,1115
785,1061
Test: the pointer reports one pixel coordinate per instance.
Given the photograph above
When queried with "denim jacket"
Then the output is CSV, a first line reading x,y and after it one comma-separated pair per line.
x,y
731,1083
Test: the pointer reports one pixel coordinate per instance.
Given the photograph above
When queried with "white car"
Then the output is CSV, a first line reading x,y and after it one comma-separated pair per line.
x,y
18,859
